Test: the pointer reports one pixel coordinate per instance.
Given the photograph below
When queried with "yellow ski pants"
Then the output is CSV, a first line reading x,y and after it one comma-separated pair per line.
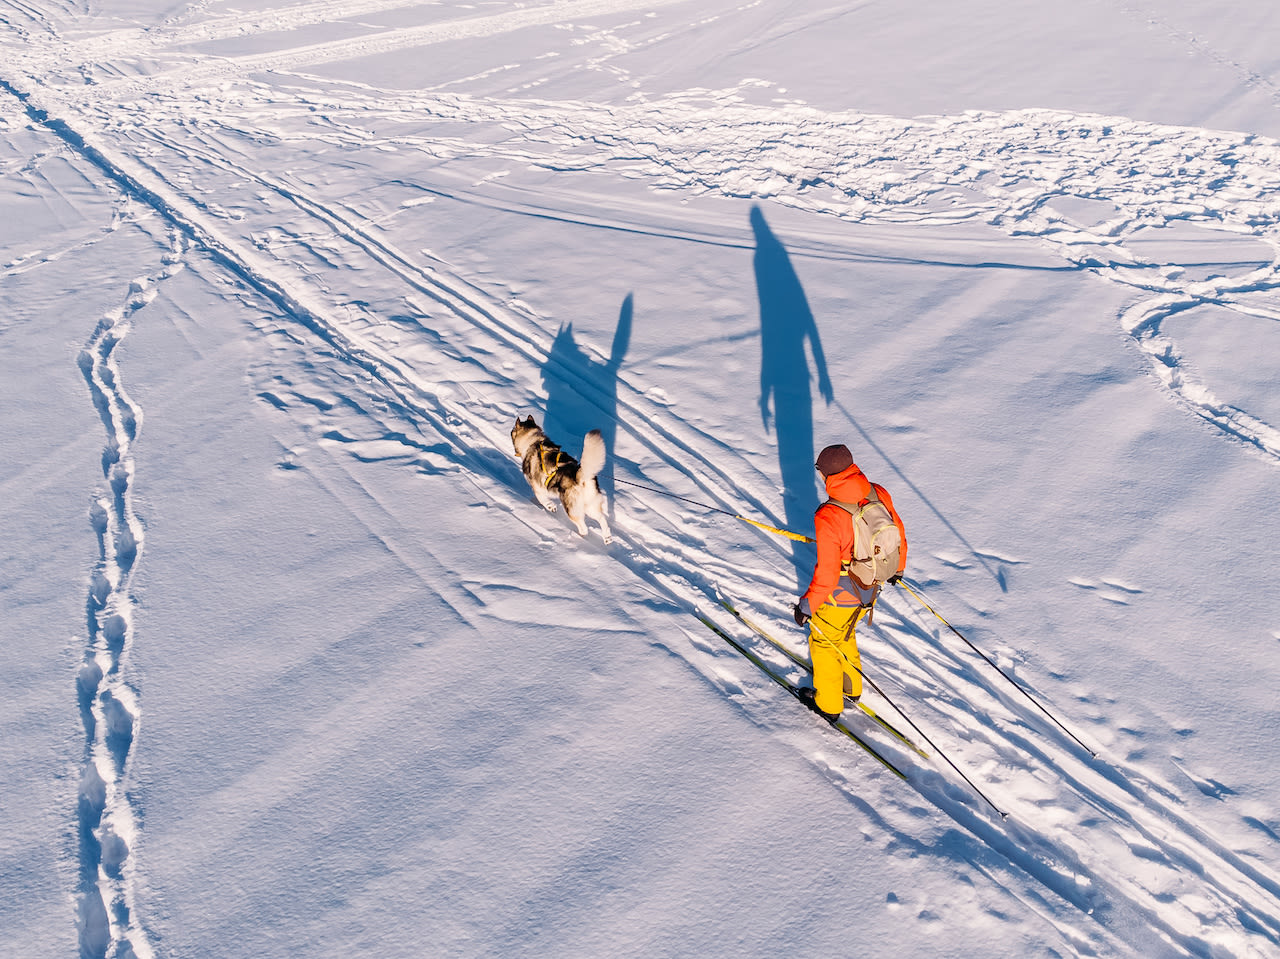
x,y
833,648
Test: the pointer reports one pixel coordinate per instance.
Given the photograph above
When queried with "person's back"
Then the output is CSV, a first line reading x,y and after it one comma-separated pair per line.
x,y
857,519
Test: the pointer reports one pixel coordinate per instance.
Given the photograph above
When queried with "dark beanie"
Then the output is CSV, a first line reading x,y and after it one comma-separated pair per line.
x,y
833,460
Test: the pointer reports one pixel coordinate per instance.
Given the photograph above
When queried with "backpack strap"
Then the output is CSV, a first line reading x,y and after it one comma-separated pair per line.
x,y
853,509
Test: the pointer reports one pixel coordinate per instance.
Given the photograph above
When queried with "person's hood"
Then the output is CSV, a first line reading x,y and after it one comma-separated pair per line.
x,y
849,485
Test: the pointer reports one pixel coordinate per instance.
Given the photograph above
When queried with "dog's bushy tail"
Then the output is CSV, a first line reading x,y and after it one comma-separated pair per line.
x,y
593,454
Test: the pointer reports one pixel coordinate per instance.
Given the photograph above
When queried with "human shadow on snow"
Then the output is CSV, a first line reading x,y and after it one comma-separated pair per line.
x,y
786,403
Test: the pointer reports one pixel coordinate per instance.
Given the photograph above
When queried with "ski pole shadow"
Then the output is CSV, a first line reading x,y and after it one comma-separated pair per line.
x,y
998,574
582,392
786,403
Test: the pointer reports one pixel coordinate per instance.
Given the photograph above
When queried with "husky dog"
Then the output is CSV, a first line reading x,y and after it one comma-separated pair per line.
x,y
551,471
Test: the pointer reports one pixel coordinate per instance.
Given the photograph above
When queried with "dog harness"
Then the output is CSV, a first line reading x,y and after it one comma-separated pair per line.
x,y
553,459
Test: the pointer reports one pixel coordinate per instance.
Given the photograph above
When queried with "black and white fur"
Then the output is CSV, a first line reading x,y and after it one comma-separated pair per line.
x,y
552,472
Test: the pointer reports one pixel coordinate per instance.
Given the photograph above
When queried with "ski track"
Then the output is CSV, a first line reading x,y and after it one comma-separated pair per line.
x,y
1070,183
1000,735
1075,184
111,59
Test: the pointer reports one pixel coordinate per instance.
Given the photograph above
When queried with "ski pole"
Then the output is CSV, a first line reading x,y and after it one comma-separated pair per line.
x,y
1018,686
799,537
872,683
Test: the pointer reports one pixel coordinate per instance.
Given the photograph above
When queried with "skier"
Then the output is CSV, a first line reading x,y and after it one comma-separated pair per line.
x,y
858,517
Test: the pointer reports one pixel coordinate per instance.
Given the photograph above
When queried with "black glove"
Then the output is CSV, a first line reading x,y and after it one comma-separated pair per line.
x,y
801,616
895,579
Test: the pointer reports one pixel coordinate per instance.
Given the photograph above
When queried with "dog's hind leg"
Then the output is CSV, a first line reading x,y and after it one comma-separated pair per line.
x,y
598,516
580,521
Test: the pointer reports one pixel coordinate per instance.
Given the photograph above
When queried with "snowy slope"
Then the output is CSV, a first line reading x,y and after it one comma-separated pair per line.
x,y
298,667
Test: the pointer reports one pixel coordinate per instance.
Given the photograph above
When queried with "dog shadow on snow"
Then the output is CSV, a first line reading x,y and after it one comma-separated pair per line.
x,y
786,401
582,392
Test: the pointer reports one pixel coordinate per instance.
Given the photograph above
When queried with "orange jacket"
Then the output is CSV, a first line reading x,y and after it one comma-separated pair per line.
x,y
833,529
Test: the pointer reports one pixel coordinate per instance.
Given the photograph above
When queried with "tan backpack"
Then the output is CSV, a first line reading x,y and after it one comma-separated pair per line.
x,y
876,540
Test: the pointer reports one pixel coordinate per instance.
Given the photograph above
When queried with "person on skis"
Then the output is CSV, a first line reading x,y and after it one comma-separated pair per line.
x,y
862,544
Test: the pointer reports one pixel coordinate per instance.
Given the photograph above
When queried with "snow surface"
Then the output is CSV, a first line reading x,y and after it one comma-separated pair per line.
x,y
294,664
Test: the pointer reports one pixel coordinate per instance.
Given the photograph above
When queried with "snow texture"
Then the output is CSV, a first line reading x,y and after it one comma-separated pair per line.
x,y
296,666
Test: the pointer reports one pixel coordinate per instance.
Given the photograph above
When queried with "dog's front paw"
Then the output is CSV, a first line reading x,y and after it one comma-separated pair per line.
x,y
549,507
608,540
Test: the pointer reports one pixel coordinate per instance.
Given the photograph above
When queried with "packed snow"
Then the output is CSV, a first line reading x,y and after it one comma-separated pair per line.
x,y
297,666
